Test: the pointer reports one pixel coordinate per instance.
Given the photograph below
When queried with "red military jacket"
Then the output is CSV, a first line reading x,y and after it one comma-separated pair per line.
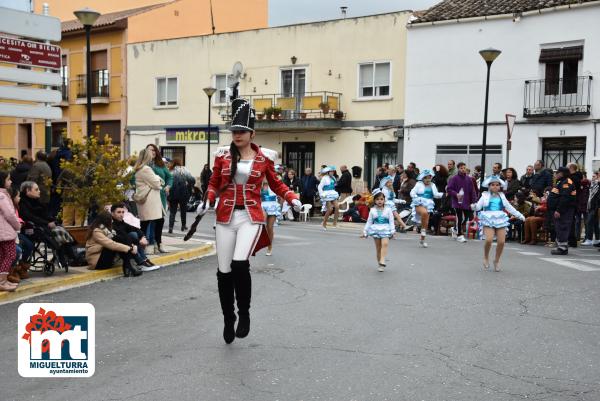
x,y
221,184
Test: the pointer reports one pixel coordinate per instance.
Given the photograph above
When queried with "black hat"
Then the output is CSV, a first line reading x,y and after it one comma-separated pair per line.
x,y
243,116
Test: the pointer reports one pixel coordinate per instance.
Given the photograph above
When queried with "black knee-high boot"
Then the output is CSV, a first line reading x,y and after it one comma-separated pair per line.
x,y
243,292
226,296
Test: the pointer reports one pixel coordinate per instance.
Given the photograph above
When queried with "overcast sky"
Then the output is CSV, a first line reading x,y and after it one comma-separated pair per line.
x,y
285,12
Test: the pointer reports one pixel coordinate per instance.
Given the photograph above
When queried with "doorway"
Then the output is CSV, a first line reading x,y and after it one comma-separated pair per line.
x,y
299,156
377,154
558,152
25,140
293,85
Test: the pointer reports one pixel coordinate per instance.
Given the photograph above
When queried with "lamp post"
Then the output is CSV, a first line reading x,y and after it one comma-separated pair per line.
x,y
87,17
489,55
209,92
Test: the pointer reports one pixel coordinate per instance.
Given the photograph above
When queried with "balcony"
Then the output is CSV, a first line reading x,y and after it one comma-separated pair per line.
x,y
100,85
311,110
555,98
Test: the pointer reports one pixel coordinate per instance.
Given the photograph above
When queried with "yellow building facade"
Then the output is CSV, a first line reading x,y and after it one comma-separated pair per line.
x,y
356,66
150,19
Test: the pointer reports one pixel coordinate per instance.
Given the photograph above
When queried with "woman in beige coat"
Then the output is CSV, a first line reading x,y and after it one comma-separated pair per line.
x,y
101,250
147,196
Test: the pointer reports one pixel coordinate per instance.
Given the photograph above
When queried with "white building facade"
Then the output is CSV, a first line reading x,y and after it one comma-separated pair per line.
x,y
355,66
547,75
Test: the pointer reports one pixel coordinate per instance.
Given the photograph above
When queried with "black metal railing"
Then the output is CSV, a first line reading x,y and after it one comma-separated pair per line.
x,y
100,84
307,105
558,97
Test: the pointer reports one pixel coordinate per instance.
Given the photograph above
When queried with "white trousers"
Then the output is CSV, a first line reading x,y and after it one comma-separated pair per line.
x,y
236,240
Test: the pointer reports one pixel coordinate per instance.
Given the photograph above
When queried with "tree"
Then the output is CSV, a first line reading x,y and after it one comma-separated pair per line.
x,y
96,176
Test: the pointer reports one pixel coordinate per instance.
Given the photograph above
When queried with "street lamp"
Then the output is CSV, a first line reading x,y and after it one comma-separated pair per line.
x,y
489,55
209,92
87,17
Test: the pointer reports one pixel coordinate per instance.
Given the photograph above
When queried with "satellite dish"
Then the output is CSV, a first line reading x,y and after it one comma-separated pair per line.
x,y
237,70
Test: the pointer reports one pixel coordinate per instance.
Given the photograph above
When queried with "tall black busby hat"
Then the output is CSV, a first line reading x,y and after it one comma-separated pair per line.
x,y
242,115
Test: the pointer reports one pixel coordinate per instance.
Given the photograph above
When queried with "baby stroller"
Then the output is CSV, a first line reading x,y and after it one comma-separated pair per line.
x,y
47,255
194,201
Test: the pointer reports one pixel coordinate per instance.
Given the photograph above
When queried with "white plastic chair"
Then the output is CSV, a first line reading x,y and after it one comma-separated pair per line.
x,y
305,212
343,209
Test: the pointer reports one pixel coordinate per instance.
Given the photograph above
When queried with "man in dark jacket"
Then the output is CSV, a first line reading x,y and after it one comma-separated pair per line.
x,y
581,202
20,172
31,210
310,185
129,235
541,179
526,178
562,202
344,184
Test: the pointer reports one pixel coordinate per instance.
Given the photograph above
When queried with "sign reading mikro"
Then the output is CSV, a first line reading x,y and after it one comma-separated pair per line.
x,y
25,52
192,134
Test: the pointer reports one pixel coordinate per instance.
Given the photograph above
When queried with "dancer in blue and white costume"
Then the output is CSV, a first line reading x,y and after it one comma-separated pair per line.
x,y
380,226
272,211
422,204
387,187
493,219
329,196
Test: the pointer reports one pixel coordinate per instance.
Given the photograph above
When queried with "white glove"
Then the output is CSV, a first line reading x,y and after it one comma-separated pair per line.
x,y
201,211
399,201
474,206
297,205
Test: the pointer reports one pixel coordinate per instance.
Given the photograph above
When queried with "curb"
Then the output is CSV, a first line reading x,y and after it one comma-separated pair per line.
x,y
92,276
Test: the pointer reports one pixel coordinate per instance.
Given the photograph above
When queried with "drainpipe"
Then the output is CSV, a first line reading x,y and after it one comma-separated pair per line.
x,y
47,123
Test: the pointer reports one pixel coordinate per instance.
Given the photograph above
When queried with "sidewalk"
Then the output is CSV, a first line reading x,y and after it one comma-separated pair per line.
x,y
39,283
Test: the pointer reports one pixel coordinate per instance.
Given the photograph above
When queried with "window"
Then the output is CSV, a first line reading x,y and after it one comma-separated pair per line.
x,y
59,131
166,91
561,66
374,79
469,154
173,152
64,76
221,83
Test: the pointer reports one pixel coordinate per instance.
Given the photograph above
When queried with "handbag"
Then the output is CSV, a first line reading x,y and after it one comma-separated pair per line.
x,y
141,197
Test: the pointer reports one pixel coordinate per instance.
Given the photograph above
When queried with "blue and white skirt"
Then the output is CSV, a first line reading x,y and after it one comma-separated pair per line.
x,y
271,208
494,219
380,231
329,196
425,202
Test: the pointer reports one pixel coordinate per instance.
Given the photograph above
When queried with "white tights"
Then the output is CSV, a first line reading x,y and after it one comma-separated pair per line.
x,y
236,240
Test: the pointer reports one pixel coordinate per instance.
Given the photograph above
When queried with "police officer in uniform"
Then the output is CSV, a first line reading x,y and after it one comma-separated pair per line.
x,y
562,203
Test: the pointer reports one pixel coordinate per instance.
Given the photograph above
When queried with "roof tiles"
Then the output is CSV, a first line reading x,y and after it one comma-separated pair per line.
x,y
458,9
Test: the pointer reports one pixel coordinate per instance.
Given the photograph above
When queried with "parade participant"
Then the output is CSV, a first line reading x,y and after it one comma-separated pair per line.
x,y
562,202
422,204
462,193
387,188
272,210
493,219
328,195
380,226
238,173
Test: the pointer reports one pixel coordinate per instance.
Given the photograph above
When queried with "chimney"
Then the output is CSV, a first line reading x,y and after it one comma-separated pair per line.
x,y
344,10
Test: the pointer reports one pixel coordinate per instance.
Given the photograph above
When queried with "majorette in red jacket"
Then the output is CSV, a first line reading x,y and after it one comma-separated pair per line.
x,y
220,184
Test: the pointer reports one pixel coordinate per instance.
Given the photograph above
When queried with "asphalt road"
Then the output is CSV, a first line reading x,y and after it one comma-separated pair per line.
x,y
327,326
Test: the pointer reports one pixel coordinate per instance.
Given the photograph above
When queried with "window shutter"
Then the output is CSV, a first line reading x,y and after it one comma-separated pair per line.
x,y
172,91
99,60
561,54
382,74
161,89
366,75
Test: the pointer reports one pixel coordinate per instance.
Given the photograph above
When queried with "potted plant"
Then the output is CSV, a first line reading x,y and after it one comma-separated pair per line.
x,y
338,115
95,177
260,116
276,112
269,112
302,114
324,107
